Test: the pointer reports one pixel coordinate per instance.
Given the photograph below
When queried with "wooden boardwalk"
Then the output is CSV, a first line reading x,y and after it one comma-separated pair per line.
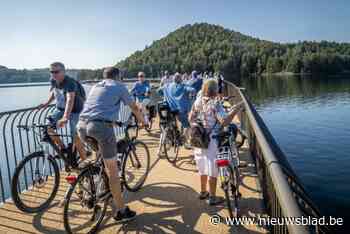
x,y
167,203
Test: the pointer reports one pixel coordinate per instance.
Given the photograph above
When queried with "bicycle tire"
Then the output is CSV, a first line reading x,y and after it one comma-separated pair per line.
x,y
130,155
15,186
174,145
227,189
85,173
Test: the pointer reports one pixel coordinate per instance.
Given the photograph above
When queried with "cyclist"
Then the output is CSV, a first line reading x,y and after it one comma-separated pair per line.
x,y
141,91
69,103
177,95
96,120
208,110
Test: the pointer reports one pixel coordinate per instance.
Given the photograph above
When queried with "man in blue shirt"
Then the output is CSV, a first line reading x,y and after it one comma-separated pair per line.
x,y
96,120
195,82
141,91
177,95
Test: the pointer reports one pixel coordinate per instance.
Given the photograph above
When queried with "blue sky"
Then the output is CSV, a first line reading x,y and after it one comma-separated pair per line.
x,y
93,34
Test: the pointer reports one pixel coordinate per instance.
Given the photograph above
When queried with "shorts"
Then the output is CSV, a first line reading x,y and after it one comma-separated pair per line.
x,y
205,159
183,118
57,114
103,133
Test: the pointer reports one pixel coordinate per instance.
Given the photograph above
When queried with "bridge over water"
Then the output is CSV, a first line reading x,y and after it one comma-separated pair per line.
x,y
168,201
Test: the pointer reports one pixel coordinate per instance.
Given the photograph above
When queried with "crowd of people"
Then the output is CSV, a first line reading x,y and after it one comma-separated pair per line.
x,y
192,97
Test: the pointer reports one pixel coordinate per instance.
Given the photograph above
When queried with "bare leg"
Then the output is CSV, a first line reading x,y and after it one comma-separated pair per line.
x,y
204,181
212,186
56,139
112,171
80,147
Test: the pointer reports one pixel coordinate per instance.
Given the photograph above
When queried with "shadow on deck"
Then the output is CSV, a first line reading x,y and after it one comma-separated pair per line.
x,y
166,204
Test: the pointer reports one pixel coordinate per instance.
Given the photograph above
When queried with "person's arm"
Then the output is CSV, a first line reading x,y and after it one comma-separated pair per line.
x,y
50,99
148,90
225,120
70,98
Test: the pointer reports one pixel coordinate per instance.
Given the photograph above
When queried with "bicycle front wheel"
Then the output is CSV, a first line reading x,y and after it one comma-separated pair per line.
x,y
35,182
171,147
84,209
135,166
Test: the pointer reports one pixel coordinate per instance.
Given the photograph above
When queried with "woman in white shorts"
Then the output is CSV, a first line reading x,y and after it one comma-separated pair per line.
x,y
207,109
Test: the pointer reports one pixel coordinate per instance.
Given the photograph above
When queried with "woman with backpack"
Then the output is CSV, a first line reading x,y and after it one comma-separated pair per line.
x,y
207,117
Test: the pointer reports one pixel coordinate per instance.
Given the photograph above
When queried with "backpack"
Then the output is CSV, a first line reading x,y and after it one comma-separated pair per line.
x,y
81,90
199,137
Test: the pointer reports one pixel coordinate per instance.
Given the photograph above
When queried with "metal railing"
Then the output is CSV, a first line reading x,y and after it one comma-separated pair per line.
x,y
283,192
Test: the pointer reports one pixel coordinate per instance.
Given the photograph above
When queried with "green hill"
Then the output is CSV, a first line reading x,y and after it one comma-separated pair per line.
x,y
204,47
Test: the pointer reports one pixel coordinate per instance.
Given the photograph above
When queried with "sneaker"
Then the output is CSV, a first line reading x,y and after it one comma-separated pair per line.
x,y
125,215
214,200
203,195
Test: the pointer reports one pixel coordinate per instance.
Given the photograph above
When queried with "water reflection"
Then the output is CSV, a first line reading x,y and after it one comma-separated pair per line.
x,y
309,117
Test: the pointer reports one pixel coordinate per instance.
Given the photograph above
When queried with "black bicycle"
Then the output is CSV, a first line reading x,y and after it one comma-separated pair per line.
x,y
36,178
89,193
171,138
228,163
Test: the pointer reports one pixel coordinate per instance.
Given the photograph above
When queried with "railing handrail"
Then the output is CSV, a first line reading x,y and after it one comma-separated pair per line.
x,y
278,170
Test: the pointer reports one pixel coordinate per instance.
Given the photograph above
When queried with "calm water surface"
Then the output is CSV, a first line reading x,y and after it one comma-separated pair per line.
x,y
310,119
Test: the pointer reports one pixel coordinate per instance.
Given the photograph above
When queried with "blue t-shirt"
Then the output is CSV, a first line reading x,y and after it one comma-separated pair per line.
x,y
177,95
195,83
140,89
103,101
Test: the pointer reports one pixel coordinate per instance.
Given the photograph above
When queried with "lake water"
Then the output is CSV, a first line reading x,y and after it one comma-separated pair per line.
x,y
308,117
310,120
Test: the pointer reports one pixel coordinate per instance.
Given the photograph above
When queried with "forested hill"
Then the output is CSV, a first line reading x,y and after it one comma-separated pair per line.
x,y
211,47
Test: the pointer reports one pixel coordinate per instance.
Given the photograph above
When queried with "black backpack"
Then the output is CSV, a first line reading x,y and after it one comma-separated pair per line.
x,y
199,137
81,90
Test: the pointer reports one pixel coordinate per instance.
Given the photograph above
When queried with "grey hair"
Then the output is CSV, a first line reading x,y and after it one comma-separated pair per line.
x,y
210,88
58,65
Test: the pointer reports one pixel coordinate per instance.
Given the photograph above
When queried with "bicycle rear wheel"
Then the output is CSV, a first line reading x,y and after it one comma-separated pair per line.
x,y
84,209
135,166
35,182
170,146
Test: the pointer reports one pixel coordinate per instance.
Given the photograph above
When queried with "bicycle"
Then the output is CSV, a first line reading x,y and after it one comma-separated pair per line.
x,y
228,164
149,113
171,137
90,189
45,172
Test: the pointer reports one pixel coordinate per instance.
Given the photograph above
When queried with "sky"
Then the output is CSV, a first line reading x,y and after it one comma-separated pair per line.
x,y
93,34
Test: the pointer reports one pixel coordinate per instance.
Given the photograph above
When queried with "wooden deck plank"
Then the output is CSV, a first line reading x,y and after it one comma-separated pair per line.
x,y
167,203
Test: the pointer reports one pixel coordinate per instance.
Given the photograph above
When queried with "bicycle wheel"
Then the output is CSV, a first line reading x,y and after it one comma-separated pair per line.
x,y
133,128
235,189
35,182
171,146
84,209
149,127
135,166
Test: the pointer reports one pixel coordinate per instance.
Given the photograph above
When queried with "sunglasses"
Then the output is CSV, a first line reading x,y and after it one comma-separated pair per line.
x,y
141,76
55,72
